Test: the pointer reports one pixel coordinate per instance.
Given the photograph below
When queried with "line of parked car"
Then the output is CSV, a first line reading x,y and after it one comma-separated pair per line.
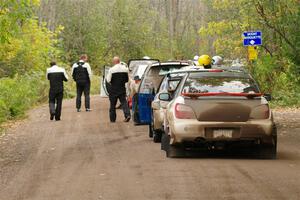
x,y
190,108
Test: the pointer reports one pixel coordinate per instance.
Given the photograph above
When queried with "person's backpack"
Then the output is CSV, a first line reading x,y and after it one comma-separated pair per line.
x,y
80,73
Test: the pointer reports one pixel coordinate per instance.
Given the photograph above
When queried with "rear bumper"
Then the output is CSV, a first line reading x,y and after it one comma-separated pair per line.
x,y
193,130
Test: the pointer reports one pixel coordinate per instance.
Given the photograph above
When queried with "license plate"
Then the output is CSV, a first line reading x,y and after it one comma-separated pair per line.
x,y
222,133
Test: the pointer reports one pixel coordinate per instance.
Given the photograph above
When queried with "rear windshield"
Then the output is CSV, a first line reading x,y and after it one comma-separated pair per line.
x,y
136,63
219,84
138,71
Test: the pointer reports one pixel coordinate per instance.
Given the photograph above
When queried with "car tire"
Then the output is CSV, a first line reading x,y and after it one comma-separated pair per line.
x,y
175,152
172,151
165,142
157,137
270,151
150,131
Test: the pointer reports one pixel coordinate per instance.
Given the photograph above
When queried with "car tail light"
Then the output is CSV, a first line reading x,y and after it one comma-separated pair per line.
x,y
184,112
260,112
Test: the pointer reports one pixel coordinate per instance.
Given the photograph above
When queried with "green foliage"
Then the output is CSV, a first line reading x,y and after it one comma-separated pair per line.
x,y
30,51
278,77
19,94
12,15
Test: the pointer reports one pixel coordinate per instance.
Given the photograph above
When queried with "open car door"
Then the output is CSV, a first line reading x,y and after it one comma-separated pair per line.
x,y
154,74
103,88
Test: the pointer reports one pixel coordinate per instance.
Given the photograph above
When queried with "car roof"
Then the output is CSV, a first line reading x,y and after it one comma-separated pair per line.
x,y
171,63
192,69
222,70
220,74
232,68
131,60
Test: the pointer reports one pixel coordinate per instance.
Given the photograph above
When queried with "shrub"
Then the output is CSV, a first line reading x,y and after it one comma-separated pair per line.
x,y
19,93
280,77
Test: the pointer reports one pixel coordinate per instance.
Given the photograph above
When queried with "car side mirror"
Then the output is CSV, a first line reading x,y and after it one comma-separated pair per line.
x,y
268,97
164,97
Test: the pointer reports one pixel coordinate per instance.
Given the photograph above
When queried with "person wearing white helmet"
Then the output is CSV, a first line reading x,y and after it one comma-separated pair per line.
x,y
217,60
195,60
146,58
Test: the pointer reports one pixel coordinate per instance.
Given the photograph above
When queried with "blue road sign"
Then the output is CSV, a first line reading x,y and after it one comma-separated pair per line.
x,y
253,38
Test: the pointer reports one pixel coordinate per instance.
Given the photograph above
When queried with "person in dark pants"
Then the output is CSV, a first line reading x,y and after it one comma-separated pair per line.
x,y
117,77
56,75
82,73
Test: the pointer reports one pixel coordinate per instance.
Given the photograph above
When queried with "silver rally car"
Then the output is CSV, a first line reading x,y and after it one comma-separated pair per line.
x,y
218,109
169,84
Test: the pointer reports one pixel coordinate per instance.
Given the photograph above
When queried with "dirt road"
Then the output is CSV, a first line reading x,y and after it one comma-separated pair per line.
x,y
85,157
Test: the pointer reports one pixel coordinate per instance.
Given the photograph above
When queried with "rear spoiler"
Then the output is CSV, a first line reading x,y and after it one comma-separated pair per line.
x,y
235,94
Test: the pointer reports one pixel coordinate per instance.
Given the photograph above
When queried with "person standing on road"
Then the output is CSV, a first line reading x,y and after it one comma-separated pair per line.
x,y
56,75
117,77
82,74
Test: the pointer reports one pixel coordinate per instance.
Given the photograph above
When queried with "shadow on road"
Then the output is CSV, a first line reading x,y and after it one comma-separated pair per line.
x,y
245,154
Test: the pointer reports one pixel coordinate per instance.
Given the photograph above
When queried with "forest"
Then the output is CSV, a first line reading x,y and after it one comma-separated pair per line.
x,y
35,32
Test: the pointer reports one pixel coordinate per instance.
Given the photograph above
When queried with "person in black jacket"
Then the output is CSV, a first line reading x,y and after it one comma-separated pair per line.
x,y
117,78
56,75
82,74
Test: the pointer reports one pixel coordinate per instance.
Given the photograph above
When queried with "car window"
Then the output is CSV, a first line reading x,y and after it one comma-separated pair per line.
x,y
138,71
136,63
219,84
163,85
154,77
168,85
165,70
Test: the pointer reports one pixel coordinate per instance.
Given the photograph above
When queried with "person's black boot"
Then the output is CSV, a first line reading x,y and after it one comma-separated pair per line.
x,y
51,117
127,119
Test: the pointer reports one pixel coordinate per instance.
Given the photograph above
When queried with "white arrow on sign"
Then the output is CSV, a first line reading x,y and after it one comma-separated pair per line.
x,y
252,42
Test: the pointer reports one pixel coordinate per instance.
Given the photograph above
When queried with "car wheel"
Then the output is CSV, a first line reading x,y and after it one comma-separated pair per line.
x,y
165,142
157,137
172,151
175,152
150,131
270,151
